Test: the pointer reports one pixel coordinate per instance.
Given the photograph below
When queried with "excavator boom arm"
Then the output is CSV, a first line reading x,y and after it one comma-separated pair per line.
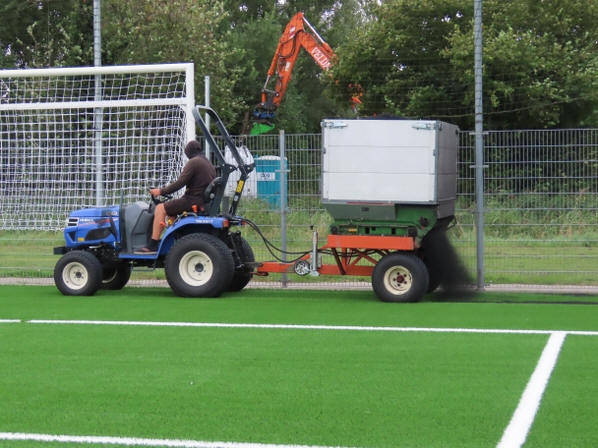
x,y
294,38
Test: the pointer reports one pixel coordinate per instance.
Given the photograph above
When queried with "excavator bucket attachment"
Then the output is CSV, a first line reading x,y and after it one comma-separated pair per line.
x,y
260,128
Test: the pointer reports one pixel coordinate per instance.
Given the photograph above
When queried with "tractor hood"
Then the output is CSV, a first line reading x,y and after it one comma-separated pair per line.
x,y
92,216
96,212
92,226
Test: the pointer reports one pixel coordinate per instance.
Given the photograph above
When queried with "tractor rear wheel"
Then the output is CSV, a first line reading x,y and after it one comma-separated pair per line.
x,y
242,277
78,273
199,265
400,277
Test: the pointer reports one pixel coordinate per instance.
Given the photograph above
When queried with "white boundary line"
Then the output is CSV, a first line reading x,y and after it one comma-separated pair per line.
x,y
135,441
523,417
300,327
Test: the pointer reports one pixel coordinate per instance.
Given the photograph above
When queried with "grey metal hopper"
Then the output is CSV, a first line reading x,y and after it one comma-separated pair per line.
x,y
370,167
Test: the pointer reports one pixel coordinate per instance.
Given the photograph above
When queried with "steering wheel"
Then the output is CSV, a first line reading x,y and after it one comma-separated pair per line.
x,y
155,200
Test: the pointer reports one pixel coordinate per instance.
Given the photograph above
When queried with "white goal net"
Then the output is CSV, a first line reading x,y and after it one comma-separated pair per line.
x,y
90,136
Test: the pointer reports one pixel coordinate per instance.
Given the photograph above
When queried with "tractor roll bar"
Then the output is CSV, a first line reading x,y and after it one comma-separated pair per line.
x,y
227,168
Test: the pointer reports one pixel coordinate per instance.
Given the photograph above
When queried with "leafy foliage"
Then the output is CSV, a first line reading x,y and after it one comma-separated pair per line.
x,y
257,27
410,58
155,31
539,63
46,33
416,60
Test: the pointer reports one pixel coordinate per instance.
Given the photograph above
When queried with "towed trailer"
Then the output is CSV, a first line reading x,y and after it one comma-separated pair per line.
x,y
356,255
390,186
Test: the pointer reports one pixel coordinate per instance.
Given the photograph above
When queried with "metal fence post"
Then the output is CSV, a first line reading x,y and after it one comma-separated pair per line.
x,y
283,202
479,144
98,111
207,116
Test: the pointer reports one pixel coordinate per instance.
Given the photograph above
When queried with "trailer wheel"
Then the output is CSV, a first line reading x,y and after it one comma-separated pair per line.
x,y
199,265
242,277
115,275
399,277
78,273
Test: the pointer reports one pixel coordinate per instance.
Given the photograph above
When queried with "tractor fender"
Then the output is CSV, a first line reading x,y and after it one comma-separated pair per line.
x,y
187,225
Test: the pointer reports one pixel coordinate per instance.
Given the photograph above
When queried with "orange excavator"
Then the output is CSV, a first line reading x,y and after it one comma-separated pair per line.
x,y
298,34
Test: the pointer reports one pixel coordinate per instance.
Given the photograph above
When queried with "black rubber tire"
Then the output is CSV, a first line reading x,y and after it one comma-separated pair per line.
x,y
242,278
78,273
199,265
116,275
400,277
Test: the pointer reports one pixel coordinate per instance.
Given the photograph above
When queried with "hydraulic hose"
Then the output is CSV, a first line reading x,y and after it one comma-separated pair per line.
x,y
272,248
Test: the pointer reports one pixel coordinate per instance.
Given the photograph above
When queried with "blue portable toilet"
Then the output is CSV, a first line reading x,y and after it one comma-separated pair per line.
x,y
268,179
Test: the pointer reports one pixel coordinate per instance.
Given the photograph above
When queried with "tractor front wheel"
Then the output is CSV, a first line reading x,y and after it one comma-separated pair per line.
x,y
78,273
199,265
400,277
116,275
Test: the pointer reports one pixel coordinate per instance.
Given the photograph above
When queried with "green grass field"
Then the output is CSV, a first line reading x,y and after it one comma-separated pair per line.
x,y
354,380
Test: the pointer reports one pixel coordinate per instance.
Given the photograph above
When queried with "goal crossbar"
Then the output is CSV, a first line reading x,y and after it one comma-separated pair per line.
x,y
93,104
103,70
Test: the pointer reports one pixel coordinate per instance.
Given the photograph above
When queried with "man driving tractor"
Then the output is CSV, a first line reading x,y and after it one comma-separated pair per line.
x,y
197,173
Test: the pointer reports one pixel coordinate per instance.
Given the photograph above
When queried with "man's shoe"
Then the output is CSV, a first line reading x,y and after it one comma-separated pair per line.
x,y
145,251
151,248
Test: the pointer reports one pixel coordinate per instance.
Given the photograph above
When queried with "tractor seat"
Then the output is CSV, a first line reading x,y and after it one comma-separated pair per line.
x,y
210,191
213,190
208,196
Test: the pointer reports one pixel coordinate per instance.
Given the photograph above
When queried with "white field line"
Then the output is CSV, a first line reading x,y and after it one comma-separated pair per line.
x,y
10,321
523,417
305,327
134,441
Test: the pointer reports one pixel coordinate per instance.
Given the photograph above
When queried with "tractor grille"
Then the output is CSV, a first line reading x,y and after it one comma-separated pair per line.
x,y
72,222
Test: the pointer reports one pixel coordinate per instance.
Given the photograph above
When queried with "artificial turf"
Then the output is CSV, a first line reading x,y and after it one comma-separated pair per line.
x,y
368,389
551,312
268,386
568,414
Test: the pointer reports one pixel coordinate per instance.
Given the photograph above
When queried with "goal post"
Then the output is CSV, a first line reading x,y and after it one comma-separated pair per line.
x,y
66,144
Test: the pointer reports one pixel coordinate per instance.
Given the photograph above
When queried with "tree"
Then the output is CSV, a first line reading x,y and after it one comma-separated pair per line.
x,y
540,63
46,33
156,31
416,60
257,27
233,41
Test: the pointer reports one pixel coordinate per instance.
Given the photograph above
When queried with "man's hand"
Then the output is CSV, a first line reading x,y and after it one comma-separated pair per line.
x,y
155,191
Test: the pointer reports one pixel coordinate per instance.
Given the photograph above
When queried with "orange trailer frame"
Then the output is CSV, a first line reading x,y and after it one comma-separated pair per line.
x,y
348,251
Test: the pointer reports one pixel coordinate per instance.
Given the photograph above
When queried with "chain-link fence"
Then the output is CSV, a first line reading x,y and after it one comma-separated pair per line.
x,y
541,207
541,204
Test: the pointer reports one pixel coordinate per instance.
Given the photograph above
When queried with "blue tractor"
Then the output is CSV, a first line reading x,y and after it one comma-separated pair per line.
x,y
202,254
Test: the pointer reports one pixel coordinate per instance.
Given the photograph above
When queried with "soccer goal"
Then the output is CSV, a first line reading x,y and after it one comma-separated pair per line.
x,y
89,136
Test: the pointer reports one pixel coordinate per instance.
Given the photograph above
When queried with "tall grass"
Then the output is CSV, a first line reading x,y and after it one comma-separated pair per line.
x,y
547,240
